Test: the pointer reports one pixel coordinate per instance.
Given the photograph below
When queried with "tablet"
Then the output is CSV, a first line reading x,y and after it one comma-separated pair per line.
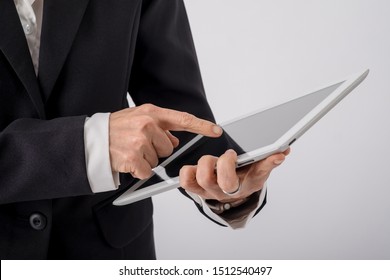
x,y
254,137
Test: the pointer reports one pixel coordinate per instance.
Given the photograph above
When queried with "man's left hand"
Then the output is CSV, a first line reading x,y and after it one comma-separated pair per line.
x,y
217,177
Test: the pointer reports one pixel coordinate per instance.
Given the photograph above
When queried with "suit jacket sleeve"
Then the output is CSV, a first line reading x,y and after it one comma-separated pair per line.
x,y
38,156
166,71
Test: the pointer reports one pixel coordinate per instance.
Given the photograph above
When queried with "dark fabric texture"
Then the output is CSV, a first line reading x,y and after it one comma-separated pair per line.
x,y
92,53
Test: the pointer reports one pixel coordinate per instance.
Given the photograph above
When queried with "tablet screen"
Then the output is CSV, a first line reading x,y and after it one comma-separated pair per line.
x,y
265,127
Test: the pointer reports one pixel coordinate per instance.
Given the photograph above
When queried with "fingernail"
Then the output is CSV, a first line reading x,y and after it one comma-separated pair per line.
x,y
278,161
217,130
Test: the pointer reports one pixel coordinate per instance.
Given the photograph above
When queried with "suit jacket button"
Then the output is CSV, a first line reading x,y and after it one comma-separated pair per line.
x,y
38,221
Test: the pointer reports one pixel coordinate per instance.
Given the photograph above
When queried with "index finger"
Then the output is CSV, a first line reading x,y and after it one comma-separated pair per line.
x,y
182,121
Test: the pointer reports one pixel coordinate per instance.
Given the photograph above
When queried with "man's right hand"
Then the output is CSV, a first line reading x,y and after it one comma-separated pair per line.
x,y
139,136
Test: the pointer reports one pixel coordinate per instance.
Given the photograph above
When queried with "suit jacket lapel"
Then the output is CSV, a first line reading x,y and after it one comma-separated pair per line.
x,y
61,20
14,46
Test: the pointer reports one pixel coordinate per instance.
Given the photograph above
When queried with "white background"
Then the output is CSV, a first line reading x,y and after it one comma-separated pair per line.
x,y
330,199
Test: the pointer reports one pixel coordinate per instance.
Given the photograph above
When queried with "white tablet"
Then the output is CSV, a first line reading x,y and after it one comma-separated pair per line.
x,y
254,137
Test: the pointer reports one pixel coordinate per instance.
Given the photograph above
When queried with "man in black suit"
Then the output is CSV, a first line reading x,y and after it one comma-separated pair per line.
x,y
68,143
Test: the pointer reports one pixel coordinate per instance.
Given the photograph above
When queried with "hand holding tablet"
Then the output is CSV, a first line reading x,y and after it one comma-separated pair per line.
x,y
254,137
226,183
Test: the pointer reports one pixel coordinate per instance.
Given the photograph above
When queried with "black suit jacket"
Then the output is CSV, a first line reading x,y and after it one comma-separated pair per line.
x,y
92,53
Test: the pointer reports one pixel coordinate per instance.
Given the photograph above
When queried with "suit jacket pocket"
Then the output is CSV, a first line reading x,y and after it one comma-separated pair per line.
x,y
120,225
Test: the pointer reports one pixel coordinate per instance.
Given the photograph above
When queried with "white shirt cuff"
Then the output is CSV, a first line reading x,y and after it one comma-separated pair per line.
x,y
201,201
97,154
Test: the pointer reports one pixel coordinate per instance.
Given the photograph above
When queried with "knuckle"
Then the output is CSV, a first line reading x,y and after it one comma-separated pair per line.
x,y
148,108
184,170
138,142
153,162
185,175
227,160
187,120
144,174
144,122
130,161
207,160
185,182
133,166
206,180
167,151
129,168
203,182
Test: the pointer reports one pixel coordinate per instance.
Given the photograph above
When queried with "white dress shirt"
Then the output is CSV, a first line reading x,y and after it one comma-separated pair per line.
x,y
96,136
30,14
